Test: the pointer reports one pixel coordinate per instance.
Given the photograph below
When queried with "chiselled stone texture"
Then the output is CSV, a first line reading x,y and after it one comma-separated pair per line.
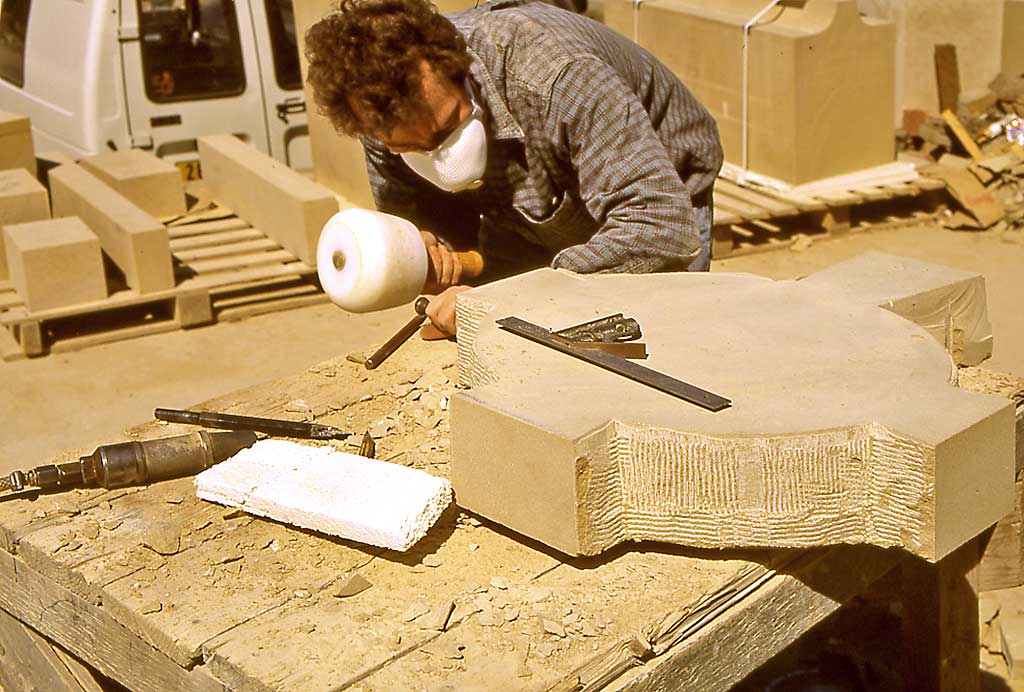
x,y
845,427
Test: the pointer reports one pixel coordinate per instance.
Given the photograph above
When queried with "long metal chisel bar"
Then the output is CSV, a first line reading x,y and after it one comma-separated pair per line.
x,y
620,366
270,426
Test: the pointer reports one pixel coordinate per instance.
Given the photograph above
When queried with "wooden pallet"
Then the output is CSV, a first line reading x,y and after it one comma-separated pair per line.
x,y
224,270
751,218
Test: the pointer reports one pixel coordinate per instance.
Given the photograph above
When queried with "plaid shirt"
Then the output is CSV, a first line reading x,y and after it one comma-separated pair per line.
x,y
596,154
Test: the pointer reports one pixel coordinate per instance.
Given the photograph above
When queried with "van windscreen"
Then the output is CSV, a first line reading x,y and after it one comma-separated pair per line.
x,y
13,25
190,49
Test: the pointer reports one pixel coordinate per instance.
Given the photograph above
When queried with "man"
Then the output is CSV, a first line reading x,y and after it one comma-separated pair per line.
x,y
536,134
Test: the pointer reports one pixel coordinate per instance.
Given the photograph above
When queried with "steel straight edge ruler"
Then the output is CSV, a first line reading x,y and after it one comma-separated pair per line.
x,y
634,371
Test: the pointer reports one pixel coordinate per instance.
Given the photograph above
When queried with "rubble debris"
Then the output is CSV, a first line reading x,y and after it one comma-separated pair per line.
x,y
91,530
553,627
414,611
437,618
151,607
350,585
989,186
163,540
462,611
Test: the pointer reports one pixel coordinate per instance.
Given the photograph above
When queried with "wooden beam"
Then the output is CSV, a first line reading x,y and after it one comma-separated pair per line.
x,y
940,621
726,635
947,77
28,662
89,632
962,136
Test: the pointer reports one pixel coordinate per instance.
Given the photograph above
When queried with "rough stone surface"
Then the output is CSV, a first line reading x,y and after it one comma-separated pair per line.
x,y
821,80
283,204
152,184
845,426
22,199
55,263
136,242
341,494
16,148
948,303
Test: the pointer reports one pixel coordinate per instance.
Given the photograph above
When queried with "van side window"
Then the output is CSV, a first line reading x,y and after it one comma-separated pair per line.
x,y
281,23
190,49
13,24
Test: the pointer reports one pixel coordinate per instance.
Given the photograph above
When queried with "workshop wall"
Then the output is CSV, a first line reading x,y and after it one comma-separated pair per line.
x,y
975,27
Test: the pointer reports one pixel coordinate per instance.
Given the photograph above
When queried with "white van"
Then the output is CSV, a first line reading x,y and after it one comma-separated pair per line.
x,y
98,75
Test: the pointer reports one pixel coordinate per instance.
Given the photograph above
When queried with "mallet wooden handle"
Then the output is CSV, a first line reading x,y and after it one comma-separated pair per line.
x,y
472,264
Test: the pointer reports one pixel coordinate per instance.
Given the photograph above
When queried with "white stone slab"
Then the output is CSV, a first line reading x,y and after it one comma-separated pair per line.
x,y
332,492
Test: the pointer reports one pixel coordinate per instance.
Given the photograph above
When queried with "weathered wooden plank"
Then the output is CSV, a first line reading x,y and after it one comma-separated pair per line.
x,y
776,206
225,250
940,617
233,576
227,280
206,227
520,617
261,307
90,633
756,622
28,662
179,245
118,300
96,546
89,681
743,209
252,259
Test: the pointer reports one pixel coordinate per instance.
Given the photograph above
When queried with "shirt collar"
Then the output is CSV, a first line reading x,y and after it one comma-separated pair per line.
x,y
504,125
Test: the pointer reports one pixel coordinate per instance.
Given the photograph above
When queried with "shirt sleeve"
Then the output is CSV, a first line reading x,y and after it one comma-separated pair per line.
x,y
626,179
398,190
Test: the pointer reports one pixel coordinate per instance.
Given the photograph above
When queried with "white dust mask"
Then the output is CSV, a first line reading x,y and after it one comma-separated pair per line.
x,y
459,162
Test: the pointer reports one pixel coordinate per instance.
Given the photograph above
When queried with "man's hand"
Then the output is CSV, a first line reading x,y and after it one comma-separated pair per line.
x,y
441,312
444,268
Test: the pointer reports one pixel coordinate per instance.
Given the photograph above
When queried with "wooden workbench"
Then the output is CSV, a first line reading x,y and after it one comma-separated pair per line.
x,y
164,592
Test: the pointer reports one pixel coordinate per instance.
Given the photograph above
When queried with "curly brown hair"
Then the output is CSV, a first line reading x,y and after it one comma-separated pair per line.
x,y
365,57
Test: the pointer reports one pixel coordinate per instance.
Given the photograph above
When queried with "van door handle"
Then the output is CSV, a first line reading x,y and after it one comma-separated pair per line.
x,y
290,106
127,32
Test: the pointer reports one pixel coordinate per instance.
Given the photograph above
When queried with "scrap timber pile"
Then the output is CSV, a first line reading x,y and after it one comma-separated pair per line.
x,y
979,152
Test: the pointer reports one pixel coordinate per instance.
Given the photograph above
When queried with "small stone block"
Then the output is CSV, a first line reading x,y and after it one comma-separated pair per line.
x,y
151,183
48,160
193,308
22,199
16,149
288,207
30,336
55,263
136,242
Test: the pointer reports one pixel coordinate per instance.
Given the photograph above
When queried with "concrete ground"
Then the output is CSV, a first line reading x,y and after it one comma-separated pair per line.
x,y
81,399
